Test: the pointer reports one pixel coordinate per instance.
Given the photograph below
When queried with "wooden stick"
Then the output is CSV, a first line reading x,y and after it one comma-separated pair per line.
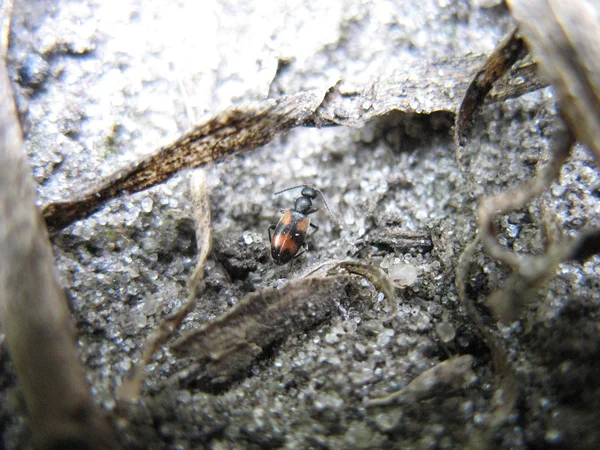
x,y
33,307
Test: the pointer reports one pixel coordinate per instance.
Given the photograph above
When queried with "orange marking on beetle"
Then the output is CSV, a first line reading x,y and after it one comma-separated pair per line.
x,y
285,242
286,219
302,225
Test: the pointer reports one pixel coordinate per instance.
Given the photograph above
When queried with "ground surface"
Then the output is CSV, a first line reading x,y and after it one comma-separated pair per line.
x,y
104,82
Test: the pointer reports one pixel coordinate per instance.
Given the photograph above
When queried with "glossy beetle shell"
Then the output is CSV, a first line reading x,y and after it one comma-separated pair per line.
x,y
289,235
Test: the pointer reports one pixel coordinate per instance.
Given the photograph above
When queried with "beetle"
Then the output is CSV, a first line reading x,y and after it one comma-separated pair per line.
x,y
290,232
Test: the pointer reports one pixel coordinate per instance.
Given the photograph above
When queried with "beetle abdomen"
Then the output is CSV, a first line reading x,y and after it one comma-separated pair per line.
x,y
289,236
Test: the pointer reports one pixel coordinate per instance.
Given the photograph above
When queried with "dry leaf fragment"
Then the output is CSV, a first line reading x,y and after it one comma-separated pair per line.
x,y
233,131
563,36
425,88
376,276
228,345
510,50
442,379
33,308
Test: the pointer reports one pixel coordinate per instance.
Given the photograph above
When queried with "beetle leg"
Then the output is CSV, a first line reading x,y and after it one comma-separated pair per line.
x,y
271,228
297,255
304,250
315,227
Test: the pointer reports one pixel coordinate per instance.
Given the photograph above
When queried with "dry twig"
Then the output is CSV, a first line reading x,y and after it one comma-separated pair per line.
x,y
33,307
516,198
201,208
506,382
510,50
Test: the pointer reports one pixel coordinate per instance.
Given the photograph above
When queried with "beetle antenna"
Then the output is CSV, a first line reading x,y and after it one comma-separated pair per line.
x,y
289,189
333,218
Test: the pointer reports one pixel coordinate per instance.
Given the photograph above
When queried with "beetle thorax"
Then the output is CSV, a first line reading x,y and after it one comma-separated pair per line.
x,y
302,205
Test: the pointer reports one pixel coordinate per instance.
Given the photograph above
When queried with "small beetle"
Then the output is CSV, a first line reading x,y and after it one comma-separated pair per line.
x,y
290,233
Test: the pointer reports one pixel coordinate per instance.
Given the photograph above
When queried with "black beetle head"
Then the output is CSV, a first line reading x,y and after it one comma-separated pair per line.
x,y
309,192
